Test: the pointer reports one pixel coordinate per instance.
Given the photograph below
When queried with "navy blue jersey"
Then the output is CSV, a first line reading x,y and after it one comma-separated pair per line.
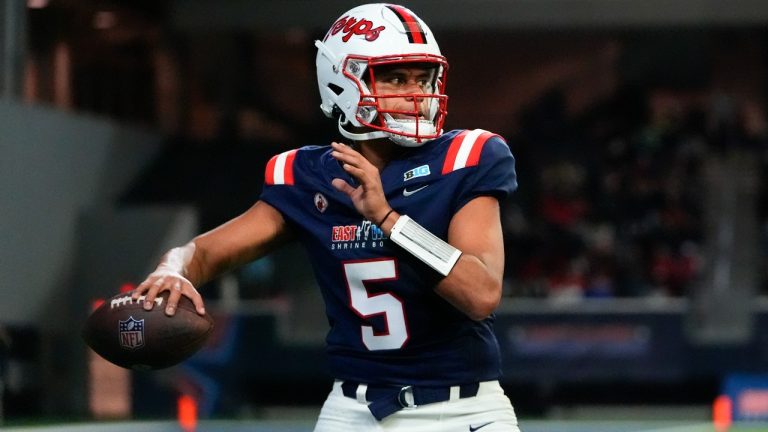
x,y
387,325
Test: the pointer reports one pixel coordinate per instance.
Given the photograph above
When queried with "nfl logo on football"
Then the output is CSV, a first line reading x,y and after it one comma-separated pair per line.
x,y
132,333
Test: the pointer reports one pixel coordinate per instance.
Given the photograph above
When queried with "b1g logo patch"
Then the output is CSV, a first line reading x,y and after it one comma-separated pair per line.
x,y
421,171
132,333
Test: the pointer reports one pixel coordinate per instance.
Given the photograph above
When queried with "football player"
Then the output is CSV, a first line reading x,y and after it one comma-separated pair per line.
x,y
402,227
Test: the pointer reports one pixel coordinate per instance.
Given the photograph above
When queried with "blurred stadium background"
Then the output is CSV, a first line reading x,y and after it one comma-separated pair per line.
x,y
636,281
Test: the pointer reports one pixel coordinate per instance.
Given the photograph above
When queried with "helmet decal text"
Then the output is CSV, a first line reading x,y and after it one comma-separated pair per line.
x,y
350,26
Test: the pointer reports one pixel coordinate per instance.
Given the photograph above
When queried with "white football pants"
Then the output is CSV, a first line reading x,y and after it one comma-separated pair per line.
x,y
488,411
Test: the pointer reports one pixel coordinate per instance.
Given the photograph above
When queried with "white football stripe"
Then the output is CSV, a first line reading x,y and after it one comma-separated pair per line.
x,y
466,148
280,168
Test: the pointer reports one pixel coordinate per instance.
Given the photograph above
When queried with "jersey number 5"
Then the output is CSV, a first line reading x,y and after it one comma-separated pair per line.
x,y
358,273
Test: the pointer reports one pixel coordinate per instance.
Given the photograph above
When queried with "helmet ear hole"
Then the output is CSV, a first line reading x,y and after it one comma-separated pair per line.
x,y
336,89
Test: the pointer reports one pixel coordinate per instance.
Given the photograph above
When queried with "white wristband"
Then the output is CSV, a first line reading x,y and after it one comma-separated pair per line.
x,y
424,245
176,261
178,258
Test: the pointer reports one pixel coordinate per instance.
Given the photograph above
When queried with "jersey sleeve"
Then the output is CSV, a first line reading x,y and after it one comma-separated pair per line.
x,y
486,165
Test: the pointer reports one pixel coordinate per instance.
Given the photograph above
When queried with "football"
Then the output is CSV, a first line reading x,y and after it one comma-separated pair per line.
x,y
121,331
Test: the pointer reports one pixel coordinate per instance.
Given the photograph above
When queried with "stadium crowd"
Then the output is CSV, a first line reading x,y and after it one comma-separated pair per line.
x,y
611,204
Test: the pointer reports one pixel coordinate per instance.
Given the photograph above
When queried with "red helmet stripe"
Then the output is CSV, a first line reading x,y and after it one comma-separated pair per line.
x,y
412,26
280,169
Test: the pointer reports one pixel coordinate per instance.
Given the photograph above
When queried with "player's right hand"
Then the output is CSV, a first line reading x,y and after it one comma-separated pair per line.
x,y
167,280
368,198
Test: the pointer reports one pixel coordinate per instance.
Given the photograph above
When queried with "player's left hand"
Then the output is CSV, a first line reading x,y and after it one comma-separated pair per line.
x,y
368,198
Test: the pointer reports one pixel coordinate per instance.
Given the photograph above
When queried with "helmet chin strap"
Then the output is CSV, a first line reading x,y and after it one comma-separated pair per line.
x,y
398,139
360,136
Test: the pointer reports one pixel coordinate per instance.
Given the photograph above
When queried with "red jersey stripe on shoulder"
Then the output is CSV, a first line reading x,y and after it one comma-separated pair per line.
x,y
279,169
474,154
465,149
269,171
453,150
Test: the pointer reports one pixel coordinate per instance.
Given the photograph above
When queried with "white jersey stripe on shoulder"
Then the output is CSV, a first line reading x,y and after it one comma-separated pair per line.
x,y
280,167
466,148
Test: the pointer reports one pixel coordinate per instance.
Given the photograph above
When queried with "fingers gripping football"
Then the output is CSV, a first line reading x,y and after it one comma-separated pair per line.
x,y
368,198
164,280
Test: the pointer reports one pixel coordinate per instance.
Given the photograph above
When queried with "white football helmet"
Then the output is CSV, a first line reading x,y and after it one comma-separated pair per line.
x,y
374,35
